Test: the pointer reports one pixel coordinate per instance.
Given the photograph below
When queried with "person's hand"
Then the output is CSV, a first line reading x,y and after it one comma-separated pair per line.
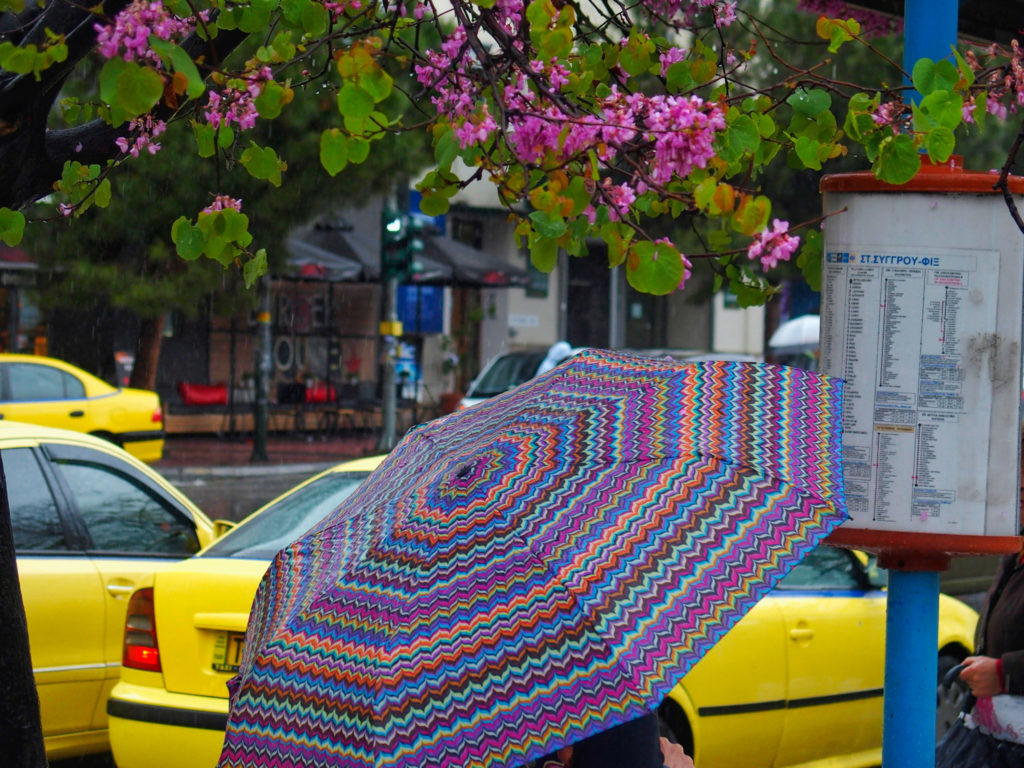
x,y
981,673
673,756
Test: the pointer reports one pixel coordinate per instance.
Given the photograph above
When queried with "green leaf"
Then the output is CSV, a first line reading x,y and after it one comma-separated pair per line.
x,y
743,135
943,107
225,136
966,73
637,55
188,240
354,102
263,163
255,268
752,215
540,13
358,149
810,256
205,139
434,204
175,56
271,99
130,89
940,144
655,268
378,84
931,76
256,15
333,151
315,19
544,254
898,160
679,77
12,226
809,151
548,225
102,194
446,147
17,6
810,102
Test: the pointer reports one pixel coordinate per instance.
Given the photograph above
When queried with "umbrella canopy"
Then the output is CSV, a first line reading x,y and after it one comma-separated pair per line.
x,y
797,335
537,568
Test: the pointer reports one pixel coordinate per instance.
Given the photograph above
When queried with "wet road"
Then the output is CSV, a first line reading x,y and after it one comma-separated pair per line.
x,y
232,498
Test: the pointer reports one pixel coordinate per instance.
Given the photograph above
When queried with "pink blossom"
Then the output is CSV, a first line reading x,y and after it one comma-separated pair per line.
x,y
888,113
128,36
620,197
235,104
773,245
338,9
65,209
222,203
144,129
476,130
670,57
725,14
996,107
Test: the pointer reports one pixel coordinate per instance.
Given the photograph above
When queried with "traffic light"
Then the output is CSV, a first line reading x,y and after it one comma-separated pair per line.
x,y
401,244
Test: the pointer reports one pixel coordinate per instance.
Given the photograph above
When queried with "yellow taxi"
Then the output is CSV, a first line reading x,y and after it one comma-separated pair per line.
x,y
797,682
91,524
47,391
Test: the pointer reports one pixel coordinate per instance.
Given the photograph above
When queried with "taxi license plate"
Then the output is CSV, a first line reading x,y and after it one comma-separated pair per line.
x,y
227,651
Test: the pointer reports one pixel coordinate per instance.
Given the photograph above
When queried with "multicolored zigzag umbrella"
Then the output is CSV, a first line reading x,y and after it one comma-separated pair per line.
x,y
537,568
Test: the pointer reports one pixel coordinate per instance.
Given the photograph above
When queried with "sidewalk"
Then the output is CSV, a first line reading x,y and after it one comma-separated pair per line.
x,y
200,455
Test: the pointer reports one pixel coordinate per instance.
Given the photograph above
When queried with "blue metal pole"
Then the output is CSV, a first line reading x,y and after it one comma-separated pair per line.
x,y
911,670
929,31
912,619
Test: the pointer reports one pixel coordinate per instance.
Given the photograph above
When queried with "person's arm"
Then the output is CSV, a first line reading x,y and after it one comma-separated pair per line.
x,y
673,756
983,674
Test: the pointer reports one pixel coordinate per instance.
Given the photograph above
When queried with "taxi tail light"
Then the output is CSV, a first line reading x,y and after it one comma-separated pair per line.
x,y
140,646
158,415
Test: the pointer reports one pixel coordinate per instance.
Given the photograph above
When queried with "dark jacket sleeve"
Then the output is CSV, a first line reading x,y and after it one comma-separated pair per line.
x,y
1013,672
1001,623
634,744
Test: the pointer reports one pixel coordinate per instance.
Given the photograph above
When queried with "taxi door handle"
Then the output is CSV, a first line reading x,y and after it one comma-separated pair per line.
x,y
801,634
119,590
76,414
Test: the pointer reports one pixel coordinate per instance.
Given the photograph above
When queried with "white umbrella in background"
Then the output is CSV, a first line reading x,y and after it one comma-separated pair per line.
x,y
797,335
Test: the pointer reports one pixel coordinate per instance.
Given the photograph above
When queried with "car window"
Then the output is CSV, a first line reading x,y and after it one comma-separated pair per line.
x,y
124,516
34,516
28,381
279,525
828,568
508,371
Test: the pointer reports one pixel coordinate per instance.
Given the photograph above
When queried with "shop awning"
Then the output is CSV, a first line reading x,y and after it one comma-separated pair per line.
x,y
335,248
470,267
307,261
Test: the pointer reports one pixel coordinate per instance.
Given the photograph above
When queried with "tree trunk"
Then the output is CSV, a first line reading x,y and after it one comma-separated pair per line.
x,y
147,353
21,734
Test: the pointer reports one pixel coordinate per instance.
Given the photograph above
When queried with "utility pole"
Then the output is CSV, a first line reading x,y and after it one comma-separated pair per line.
x,y
261,403
400,244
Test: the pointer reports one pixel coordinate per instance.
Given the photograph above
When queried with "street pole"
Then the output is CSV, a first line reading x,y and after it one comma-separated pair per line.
x,y
261,403
390,329
912,614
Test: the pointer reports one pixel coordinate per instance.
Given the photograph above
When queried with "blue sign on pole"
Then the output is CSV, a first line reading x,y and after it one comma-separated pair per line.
x,y
421,308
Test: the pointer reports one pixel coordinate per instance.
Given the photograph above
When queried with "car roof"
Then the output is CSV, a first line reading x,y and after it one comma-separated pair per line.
x,y
364,464
25,431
